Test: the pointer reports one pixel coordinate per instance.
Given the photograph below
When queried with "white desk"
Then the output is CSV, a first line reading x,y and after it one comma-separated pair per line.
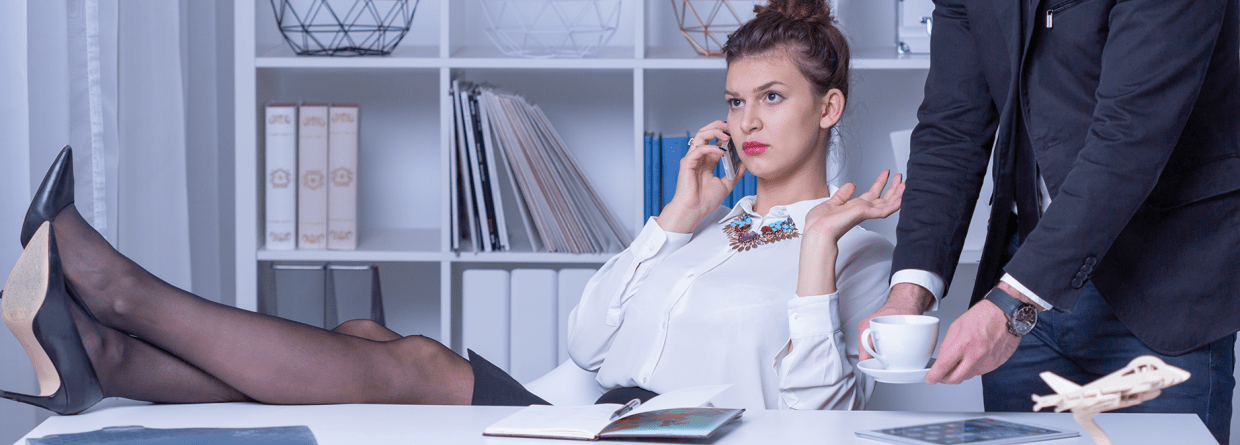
x,y
384,424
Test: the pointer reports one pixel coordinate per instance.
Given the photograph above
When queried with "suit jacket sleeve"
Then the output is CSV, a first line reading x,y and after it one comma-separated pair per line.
x,y
950,149
1153,65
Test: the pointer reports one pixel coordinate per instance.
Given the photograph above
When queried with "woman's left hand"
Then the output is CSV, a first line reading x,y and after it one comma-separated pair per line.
x,y
834,217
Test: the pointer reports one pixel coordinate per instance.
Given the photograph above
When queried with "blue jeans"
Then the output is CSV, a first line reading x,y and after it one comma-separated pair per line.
x,y
1090,342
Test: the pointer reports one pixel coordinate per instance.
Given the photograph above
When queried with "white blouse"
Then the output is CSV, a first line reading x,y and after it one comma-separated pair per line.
x,y
676,310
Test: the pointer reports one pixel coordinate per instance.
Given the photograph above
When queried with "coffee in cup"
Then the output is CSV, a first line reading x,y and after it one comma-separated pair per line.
x,y
901,342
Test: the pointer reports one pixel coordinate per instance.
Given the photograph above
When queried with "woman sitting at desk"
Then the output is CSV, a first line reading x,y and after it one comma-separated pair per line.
x,y
759,295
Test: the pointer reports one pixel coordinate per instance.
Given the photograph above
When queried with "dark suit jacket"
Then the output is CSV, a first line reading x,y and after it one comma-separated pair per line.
x,y
1132,108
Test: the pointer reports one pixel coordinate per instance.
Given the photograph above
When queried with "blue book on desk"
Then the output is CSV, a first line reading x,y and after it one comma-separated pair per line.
x,y
136,435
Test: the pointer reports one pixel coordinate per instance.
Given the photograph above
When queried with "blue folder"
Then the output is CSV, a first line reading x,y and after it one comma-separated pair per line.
x,y
136,435
673,149
648,184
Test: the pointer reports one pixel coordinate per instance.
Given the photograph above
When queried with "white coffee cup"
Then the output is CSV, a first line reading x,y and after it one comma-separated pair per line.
x,y
901,342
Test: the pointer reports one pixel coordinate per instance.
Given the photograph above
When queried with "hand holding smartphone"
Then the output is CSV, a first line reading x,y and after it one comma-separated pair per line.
x,y
731,160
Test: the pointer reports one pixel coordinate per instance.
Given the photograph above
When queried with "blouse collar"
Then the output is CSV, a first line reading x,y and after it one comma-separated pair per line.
x,y
796,210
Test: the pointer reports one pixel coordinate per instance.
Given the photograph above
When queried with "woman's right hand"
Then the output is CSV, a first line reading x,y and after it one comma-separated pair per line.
x,y
698,191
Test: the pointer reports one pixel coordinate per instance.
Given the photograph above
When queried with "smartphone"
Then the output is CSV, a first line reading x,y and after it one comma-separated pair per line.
x,y
731,160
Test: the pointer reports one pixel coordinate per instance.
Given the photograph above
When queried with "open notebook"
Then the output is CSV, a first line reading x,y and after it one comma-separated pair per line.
x,y
677,414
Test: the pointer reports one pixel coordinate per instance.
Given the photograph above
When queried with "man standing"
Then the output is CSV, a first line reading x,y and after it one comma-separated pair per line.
x,y
1115,221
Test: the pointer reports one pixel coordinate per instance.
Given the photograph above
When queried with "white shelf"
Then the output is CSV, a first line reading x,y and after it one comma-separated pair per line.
x,y
612,57
375,245
531,257
892,62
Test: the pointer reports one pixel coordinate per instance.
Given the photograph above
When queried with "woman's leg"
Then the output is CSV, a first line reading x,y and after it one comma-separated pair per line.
x,y
131,368
134,369
270,359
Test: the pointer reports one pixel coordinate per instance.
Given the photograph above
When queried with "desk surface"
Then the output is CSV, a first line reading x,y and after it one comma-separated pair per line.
x,y
381,424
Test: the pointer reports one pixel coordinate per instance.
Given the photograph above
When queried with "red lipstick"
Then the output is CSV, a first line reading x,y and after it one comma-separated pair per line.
x,y
754,148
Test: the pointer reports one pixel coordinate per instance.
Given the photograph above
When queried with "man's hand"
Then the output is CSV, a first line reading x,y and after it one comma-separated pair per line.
x,y
976,343
905,299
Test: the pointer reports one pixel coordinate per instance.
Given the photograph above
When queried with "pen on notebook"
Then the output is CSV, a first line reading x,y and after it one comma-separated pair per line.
x,y
625,409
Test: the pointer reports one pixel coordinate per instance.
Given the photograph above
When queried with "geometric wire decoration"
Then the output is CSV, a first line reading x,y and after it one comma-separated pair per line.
x,y
707,23
551,28
343,27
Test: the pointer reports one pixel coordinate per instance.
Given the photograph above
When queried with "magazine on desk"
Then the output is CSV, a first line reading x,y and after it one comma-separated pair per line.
x,y
678,414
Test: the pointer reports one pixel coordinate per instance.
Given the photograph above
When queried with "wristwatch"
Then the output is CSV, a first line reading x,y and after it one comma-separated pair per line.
x,y
1022,317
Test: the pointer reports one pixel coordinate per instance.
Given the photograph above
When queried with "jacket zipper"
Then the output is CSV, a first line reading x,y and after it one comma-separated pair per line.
x,y
1061,7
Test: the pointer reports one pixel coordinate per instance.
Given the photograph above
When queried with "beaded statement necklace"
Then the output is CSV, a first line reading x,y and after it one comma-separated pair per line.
x,y
743,239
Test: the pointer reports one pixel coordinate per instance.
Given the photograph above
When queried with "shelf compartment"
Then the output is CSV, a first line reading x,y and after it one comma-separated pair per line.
x,y
592,112
423,32
398,151
411,301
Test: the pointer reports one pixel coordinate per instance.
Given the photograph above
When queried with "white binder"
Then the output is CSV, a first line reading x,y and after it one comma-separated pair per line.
x,y
533,345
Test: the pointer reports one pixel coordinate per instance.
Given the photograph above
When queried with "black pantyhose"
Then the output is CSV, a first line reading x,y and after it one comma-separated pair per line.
x,y
134,369
231,353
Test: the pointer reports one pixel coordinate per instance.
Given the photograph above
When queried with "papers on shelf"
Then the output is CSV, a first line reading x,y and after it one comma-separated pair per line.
x,y
518,185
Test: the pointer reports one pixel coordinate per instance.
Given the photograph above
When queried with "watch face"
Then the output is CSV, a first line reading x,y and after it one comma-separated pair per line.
x,y
1024,319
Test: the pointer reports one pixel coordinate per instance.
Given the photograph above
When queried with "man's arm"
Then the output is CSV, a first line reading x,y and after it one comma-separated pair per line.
x,y
950,148
947,163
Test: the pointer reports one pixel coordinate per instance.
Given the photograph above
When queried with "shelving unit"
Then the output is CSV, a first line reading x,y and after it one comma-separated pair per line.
x,y
648,79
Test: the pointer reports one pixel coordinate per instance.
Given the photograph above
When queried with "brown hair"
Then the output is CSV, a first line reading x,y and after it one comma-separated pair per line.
x,y
805,29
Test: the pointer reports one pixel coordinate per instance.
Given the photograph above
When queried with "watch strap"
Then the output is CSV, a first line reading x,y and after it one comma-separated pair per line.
x,y
1007,303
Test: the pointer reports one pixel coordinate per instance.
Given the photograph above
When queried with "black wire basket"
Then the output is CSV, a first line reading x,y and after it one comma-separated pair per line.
x,y
344,27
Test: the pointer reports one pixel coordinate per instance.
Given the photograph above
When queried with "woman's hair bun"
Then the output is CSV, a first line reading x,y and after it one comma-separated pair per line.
x,y
808,10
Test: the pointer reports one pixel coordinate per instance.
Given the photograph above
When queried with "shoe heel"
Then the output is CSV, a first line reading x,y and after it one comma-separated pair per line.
x,y
39,401
36,309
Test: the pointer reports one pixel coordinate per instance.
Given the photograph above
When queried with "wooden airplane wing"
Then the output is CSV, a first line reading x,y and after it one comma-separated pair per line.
x,y
1059,384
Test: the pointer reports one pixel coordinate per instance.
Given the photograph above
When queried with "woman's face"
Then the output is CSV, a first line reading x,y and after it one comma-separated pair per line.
x,y
778,124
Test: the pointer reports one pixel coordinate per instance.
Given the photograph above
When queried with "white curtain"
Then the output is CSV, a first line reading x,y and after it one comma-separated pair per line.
x,y
112,78
152,208
15,419
108,81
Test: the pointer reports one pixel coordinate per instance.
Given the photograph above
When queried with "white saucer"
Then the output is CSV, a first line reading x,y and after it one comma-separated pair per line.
x,y
875,369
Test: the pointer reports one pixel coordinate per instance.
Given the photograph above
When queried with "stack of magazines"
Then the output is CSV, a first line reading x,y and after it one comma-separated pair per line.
x,y
516,185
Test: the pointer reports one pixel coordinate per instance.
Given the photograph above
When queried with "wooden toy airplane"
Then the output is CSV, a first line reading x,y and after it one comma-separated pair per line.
x,y
1143,379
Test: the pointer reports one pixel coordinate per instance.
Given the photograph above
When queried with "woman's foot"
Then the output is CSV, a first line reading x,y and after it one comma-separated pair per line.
x,y
53,195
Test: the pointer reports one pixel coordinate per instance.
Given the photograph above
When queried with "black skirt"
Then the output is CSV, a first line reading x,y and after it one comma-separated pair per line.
x,y
494,387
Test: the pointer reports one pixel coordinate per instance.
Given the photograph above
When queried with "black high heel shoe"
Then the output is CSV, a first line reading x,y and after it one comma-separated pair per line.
x,y
54,194
36,308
